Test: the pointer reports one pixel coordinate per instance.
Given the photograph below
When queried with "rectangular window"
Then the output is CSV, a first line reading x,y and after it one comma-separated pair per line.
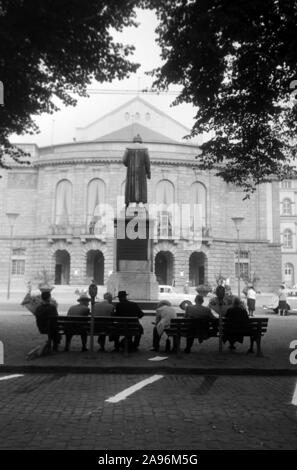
x,y
286,184
244,263
164,226
19,252
244,270
18,267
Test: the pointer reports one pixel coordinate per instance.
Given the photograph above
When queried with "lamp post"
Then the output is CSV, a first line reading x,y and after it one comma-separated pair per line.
x,y
237,222
12,216
220,292
92,292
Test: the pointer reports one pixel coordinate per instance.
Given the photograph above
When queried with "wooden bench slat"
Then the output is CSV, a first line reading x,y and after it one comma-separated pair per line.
x,y
185,327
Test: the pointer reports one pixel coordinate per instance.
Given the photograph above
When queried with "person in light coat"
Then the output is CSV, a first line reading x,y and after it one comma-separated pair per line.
x,y
164,314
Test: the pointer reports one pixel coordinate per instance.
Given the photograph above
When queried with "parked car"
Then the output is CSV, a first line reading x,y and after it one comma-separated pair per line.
x,y
292,290
179,299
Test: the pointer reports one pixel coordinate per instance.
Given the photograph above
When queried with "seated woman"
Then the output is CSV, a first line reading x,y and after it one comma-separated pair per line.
x,y
237,318
163,317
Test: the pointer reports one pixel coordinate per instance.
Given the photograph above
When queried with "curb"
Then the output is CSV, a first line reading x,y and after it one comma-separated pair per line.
x,y
145,370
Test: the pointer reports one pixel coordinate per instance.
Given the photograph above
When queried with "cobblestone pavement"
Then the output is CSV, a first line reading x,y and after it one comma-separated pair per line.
x,y
69,411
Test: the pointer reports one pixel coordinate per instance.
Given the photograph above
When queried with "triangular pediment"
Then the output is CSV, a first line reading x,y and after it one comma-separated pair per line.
x,y
137,116
127,133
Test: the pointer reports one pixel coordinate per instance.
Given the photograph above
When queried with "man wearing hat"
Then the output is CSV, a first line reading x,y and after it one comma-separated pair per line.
x,y
46,315
126,308
103,309
79,310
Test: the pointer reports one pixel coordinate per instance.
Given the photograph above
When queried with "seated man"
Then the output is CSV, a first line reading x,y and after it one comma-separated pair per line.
x,y
46,315
202,315
79,310
103,309
126,308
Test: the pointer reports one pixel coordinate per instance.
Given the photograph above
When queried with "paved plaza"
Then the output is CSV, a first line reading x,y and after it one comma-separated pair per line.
x,y
70,411
203,400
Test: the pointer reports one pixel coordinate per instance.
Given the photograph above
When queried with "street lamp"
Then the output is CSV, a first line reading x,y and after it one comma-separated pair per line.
x,y
237,222
12,216
92,292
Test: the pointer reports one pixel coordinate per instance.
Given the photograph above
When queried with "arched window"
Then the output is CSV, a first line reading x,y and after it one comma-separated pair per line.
x,y
289,274
287,207
198,198
63,207
288,238
164,198
96,197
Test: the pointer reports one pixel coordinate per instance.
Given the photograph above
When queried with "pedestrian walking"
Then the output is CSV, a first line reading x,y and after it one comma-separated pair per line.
x,y
282,304
251,300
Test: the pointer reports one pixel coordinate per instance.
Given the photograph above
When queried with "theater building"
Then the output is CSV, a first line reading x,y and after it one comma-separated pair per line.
x,y
58,199
288,224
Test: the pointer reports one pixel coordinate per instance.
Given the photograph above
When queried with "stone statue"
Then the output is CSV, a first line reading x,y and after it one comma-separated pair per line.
x,y
137,161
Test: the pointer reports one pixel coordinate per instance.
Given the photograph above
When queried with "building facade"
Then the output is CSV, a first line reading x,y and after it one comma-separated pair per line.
x,y
288,217
61,226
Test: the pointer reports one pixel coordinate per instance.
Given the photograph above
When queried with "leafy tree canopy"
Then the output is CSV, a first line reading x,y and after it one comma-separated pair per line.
x,y
235,61
55,48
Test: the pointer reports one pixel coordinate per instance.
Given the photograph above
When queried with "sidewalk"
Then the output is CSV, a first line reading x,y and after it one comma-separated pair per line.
x,y
19,334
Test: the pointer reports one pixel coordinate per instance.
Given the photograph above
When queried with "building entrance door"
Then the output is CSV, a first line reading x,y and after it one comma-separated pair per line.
x,y
95,266
197,268
164,268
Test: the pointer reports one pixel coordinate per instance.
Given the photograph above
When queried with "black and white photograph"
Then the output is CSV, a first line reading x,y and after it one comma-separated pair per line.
x,y
148,229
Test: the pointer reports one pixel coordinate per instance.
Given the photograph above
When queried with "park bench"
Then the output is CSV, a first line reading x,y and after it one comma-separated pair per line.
x,y
184,327
109,326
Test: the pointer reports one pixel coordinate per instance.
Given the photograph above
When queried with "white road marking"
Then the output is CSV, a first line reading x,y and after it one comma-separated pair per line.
x,y
294,399
128,391
13,376
158,358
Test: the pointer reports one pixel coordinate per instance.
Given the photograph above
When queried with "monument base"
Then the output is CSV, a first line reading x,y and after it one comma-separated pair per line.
x,y
139,285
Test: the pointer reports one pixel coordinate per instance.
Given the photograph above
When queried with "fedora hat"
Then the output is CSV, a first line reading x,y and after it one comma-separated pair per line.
x,y
43,287
122,293
83,297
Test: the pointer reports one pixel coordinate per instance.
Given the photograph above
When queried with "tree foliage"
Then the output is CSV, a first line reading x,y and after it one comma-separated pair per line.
x,y
54,48
235,61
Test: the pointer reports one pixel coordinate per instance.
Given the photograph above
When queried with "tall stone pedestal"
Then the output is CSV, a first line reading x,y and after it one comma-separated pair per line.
x,y
133,268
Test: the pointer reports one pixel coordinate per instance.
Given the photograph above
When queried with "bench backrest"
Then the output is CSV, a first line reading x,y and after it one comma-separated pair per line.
x,y
185,326
253,326
102,325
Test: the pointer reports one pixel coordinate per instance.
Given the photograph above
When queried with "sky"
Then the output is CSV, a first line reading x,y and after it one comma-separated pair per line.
x,y
60,127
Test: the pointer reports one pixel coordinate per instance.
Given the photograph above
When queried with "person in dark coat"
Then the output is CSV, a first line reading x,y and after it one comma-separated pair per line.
x,y
103,309
126,308
46,315
137,161
238,318
201,316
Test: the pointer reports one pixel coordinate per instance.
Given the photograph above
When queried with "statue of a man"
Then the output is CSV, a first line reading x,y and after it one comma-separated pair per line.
x,y
137,161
